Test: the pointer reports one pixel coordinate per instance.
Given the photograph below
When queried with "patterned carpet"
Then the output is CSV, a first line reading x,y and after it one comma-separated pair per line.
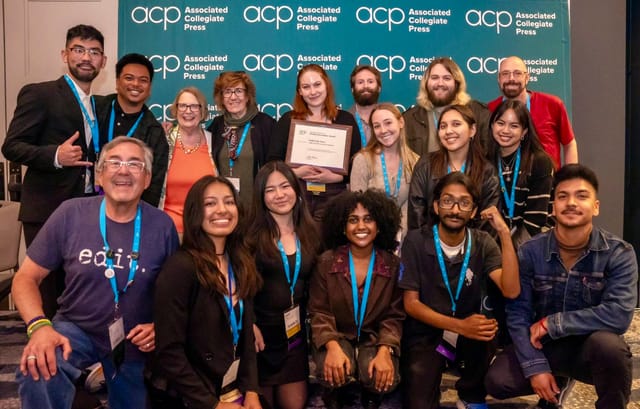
x,y
13,338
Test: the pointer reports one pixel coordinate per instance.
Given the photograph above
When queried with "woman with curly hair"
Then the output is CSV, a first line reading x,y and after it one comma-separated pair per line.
x,y
357,274
285,243
205,354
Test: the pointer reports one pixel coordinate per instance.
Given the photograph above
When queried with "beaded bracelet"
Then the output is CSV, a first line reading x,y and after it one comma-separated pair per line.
x,y
34,319
37,325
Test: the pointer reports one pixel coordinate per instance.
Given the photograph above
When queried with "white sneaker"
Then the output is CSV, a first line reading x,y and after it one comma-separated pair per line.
x,y
95,379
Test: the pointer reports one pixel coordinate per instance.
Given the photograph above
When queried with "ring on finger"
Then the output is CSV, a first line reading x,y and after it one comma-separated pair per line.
x,y
32,357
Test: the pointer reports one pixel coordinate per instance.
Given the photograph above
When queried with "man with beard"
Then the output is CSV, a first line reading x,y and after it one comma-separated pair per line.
x,y
442,84
547,111
366,84
446,270
578,297
125,113
54,132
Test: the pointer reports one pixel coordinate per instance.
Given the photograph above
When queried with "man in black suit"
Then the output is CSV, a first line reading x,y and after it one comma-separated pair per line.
x,y
54,132
125,113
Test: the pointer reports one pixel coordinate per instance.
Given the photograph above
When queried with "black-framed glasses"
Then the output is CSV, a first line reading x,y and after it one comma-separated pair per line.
x,y
134,166
81,51
190,107
447,203
238,92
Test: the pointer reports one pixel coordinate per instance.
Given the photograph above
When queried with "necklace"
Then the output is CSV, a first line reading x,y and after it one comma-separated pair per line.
x,y
190,150
507,168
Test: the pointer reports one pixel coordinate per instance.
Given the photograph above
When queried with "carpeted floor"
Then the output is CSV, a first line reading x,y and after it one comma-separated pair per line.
x,y
13,338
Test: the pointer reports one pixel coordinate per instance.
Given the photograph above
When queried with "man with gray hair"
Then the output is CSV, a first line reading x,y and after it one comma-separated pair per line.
x,y
112,248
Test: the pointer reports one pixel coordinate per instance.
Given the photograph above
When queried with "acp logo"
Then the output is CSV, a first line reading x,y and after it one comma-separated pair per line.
x,y
268,14
268,62
380,15
384,63
165,64
483,65
156,15
489,18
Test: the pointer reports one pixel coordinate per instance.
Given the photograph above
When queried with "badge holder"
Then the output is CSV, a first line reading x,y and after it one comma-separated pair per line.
x,y
230,392
293,327
447,346
117,340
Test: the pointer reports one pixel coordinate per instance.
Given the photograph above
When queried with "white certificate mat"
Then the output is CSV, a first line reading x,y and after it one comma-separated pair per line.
x,y
319,144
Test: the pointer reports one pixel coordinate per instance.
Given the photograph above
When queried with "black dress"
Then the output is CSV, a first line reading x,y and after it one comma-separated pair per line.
x,y
278,363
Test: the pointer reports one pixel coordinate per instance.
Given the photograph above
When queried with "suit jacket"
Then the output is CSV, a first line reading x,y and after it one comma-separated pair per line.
x,y
46,115
148,131
194,345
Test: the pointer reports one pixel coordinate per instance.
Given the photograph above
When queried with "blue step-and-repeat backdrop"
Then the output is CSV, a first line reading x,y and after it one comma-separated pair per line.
x,y
191,41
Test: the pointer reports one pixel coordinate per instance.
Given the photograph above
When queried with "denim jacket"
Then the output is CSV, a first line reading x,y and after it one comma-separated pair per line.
x,y
598,293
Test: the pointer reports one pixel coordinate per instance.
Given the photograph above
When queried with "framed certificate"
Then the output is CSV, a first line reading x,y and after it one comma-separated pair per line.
x,y
319,144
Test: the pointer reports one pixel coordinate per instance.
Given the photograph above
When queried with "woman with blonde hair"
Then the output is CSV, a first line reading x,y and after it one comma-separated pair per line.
x,y
387,162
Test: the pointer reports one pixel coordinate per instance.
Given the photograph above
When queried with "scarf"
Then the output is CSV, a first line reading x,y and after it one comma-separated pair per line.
x,y
231,126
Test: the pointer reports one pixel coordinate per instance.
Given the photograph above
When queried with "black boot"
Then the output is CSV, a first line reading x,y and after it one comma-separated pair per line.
x,y
370,400
331,398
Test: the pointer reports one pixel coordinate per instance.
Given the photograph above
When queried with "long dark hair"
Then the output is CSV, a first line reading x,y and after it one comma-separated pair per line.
x,y
530,146
475,156
384,211
264,232
199,245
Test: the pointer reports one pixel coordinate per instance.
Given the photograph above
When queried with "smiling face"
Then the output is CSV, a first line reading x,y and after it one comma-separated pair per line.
x,y
454,220
133,85
279,195
191,117
123,186
220,212
235,99
575,203
366,89
454,132
84,67
441,86
386,127
513,77
508,132
312,89
361,229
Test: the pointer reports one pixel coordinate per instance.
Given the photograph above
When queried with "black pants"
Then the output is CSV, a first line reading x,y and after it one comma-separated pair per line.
x,y
422,368
52,285
602,359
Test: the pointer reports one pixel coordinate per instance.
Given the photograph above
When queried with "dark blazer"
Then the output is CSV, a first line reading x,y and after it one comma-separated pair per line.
x,y
262,126
46,115
150,132
194,345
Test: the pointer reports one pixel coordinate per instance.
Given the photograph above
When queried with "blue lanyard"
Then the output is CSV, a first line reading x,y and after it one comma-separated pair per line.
x,y
443,267
528,101
387,187
93,123
236,322
363,136
462,168
287,270
510,200
239,148
112,120
360,309
135,247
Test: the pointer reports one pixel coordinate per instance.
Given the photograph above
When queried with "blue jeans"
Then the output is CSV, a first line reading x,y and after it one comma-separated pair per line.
x,y
126,388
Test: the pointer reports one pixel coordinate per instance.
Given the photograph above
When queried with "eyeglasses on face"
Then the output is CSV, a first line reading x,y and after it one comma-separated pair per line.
x,y
517,74
190,107
134,166
81,51
447,203
238,92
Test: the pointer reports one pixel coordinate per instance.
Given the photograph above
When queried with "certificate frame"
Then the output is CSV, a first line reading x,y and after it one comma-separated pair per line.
x,y
319,144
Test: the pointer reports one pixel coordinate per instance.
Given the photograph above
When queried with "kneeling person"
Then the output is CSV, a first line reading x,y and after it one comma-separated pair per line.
x,y
446,268
112,248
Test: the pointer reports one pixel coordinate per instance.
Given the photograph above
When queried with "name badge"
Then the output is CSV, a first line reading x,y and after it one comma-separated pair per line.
x,y
235,182
316,188
117,338
447,347
292,321
232,373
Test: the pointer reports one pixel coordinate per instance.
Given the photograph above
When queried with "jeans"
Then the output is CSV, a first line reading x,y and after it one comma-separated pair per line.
x,y
126,387
602,359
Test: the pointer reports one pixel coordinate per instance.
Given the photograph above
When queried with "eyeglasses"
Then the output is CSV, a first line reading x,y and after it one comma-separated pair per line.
x,y
134,166
517,74
190,107
447,203
81,51
238,92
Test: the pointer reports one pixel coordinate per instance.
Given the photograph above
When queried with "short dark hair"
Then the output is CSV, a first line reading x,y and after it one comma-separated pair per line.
x,y
453,178
85,32
369,68
575,171
384,211
134,58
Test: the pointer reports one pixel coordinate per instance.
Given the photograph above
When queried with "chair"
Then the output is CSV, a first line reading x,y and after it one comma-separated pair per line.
x,y
10,235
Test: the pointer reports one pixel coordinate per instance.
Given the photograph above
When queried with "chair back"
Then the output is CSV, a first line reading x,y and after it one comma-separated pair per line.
x,y
10,234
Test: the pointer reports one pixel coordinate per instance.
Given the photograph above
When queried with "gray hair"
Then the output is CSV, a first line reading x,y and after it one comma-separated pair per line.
x,y
148,153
